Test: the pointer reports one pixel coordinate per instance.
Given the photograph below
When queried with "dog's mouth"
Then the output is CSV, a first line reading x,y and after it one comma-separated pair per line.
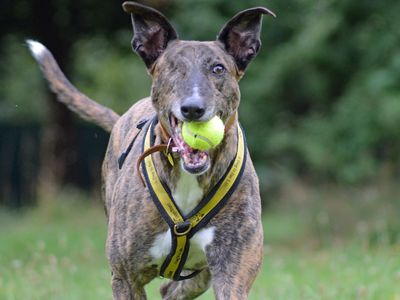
x,y
193,161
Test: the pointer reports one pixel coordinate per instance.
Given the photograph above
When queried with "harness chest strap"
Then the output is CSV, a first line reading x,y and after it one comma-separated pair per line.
x,y
184,227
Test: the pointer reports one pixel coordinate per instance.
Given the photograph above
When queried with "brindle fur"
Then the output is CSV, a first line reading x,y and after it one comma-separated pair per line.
x,y
235,255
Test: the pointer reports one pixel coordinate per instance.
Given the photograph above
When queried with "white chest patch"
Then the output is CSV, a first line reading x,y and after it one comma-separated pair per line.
x,y
187,195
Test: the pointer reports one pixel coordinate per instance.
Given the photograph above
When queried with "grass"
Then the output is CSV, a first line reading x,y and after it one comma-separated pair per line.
x,y
57,252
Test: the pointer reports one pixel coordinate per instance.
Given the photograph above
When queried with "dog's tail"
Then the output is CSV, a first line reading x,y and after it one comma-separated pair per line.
x,y
67,93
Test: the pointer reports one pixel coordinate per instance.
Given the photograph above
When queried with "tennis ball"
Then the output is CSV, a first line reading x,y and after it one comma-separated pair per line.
x,y
203,135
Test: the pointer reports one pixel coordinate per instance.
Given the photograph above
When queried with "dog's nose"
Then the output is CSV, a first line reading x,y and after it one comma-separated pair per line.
x,y
193,109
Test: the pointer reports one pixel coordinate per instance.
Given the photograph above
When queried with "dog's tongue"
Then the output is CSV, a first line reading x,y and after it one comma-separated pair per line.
x,y
192,158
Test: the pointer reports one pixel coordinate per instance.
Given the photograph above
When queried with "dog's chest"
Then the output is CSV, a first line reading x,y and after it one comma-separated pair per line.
x,y
187,195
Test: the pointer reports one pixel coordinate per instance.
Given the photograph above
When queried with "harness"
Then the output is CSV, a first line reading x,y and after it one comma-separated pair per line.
x,y
183,227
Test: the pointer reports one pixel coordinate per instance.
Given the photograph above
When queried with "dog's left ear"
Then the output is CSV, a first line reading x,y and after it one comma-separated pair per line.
x,y
241,35
152,31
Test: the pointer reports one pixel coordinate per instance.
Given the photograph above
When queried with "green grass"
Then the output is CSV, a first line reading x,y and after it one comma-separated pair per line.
x,y
57,252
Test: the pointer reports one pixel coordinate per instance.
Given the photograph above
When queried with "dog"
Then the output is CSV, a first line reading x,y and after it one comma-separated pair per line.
x,y
191,81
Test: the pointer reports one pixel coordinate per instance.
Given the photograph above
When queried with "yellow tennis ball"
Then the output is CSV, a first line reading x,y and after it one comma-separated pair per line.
x,y
203,135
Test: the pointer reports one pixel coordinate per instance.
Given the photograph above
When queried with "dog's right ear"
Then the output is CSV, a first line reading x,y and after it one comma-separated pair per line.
x,y
152,31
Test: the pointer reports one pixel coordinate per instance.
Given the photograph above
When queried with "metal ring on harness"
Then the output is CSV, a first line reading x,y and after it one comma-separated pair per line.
x,y
182,228
170,141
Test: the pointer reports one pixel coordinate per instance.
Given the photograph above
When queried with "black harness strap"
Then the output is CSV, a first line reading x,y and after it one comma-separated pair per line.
x,y
123,156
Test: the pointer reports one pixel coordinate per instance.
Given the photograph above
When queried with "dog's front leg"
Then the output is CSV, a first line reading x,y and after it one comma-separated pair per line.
x,y
234,262
186,289
123,290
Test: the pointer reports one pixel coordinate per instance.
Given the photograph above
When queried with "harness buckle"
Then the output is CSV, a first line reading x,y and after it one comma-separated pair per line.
x,y
182,228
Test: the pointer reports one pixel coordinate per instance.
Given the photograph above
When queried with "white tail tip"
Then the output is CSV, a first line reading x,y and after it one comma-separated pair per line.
x,y
36,48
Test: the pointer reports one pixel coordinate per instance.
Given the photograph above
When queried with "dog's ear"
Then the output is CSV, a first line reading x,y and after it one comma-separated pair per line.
x,y
241,35
152,31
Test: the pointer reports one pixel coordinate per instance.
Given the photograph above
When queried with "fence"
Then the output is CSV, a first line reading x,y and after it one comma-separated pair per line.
x,y
20,161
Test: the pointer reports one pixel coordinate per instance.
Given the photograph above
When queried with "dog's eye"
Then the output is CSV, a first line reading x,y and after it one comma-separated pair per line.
x,y
218,69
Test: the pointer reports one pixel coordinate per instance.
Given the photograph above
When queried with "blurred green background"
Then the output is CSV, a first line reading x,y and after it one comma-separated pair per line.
x,y
320,107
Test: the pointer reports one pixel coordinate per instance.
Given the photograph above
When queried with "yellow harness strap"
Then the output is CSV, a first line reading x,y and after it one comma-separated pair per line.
x,y
184,227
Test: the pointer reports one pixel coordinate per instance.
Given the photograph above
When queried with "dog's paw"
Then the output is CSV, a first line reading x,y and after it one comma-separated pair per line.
x,y
167,290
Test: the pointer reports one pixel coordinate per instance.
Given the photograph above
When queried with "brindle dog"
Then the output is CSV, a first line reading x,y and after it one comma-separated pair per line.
x,y
191,81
